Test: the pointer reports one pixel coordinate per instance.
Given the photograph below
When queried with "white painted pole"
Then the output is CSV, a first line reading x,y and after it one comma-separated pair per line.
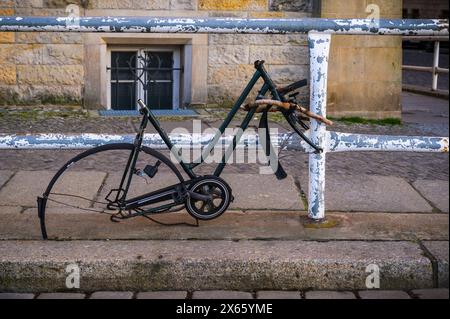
x,y
319,49
435,65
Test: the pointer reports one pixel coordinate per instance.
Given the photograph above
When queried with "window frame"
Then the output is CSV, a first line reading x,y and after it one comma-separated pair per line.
x,y
176,87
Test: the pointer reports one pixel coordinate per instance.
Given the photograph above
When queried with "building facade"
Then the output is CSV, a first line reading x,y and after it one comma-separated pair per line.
x,y
105,70
176,71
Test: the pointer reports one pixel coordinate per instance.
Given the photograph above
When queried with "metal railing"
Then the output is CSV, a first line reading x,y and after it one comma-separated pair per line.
x,y
435,70
319,38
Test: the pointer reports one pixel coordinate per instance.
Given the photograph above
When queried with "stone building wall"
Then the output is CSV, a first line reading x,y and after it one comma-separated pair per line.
x,y
365,72
40,67
54,68
70,68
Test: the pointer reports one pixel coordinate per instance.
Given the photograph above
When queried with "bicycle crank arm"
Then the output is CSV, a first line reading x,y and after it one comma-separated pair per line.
x,y
199,196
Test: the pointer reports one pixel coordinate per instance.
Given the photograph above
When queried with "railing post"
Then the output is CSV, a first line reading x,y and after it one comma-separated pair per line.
x,y
319,49
435,65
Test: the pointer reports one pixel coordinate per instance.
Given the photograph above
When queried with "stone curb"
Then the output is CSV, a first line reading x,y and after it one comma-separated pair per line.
x,y
203,265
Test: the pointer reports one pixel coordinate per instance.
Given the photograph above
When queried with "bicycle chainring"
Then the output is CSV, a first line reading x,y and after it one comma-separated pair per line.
x,y
219,193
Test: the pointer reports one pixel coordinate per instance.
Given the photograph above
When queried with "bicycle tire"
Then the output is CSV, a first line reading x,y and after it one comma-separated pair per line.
x,y
42,201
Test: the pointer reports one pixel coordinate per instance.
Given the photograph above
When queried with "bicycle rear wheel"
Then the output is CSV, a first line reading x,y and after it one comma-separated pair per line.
x,y
90,183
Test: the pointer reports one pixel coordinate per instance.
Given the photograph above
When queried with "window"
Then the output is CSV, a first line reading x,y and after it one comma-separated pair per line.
x,y
405,14
415,14
151,74
123,84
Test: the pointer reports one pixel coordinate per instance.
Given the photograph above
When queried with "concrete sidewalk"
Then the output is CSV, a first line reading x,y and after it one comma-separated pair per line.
x,y
346,193
264,241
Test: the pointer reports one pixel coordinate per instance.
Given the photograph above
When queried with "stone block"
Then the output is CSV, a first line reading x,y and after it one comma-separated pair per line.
x,y
130,4
251,191
7,74
348,9
286,74
435,191
6,37
371,193
230,5
10,295
440,251
63,54
330,295
162,295
49,37
4,177
50,74
383,294
221,294
230,74
265,14
183,4
290,5
259,39
431,293
278,294
112,295
61,295
228,54
25,186
50,94
280,54
34,3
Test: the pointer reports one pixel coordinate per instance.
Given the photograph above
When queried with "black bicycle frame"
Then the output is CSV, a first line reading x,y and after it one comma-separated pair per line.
x,y
268,85
180,189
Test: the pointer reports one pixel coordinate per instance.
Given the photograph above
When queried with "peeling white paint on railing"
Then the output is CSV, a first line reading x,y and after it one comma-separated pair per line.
x,y
335,142
426,27
86,140
348,142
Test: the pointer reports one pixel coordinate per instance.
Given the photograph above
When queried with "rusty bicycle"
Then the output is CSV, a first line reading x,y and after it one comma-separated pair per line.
x,y
125,191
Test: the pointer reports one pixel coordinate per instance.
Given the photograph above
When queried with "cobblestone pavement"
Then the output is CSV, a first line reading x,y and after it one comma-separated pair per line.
x,y
227,294
423,58
423,116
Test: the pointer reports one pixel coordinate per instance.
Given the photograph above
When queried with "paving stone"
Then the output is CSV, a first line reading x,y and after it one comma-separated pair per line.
x,y
203,264
111,295
7,295
11,211
330,295
441,293
61,295
383,294
255,191
25,186
4,177
278,294
435,191
138,185
162,295
371,193
221,294
440,251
